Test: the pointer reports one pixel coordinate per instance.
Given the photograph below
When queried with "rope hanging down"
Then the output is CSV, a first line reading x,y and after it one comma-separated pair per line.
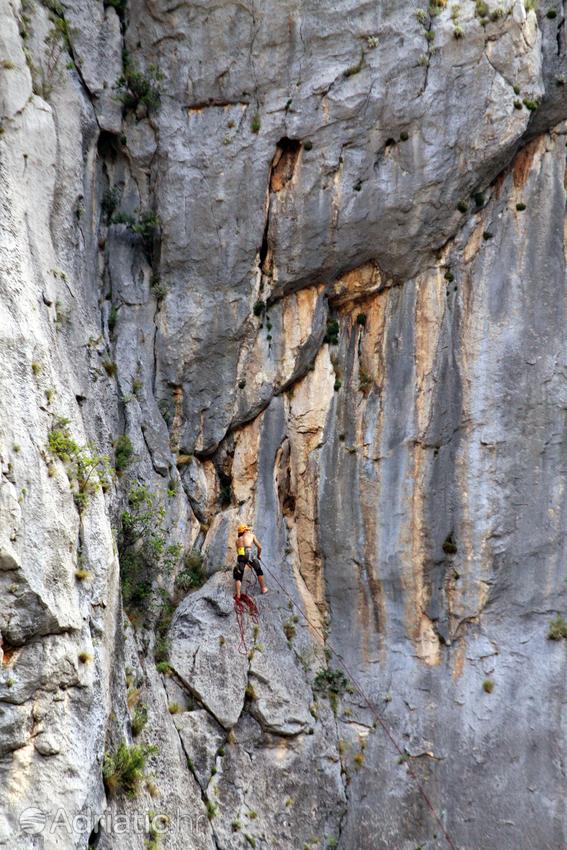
x,y
373,710
243,606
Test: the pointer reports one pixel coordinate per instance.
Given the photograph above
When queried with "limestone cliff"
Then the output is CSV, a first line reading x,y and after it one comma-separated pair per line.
x,y
302,265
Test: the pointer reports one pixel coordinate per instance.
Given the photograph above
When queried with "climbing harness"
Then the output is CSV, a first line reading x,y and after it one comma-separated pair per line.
x,y
385,728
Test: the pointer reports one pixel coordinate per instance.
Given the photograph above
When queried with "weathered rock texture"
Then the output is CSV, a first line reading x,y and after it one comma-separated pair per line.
x,y
321,287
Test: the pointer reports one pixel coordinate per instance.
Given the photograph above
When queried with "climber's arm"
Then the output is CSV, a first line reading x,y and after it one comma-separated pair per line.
x,y
258,546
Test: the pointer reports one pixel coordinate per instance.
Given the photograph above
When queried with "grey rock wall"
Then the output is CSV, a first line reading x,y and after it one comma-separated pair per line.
x,y
320,287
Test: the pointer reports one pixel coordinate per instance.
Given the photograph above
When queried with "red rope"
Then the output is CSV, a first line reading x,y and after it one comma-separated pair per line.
x,y
244,605
373,710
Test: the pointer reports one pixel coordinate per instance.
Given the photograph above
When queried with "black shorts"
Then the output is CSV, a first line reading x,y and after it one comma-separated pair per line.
x,y
243,560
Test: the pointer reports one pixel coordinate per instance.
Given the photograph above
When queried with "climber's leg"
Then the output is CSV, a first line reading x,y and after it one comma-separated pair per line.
x,y
237,574
259,572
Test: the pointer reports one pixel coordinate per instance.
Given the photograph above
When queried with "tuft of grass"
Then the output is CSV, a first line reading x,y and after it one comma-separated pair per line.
x,y
458,32
174,708
109,367
462,206
531,105
123,770
488,686
364,380
359,759
159,289
85,657
531,5
212,809
520,207
250,839
139,718
449,276
481,9
259,307
256,123
163,667
551,14
337,385
36,368
478,198
518,104
355,69
62,315
557,629
82,575
289,630
236,825
250,693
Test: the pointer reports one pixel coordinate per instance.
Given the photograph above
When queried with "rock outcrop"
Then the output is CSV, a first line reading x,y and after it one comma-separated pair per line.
x,y
303,268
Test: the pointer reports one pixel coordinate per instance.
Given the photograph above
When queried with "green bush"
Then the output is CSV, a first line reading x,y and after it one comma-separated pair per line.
x,y
123,452
123,770
332,334
141,546
87,470
192,575
332,684
110,201
136,88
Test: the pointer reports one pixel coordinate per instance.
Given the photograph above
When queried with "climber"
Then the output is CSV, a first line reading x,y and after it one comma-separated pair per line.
x,y
244,542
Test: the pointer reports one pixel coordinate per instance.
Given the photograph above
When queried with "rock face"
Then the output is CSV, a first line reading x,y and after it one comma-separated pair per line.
x,y
303,268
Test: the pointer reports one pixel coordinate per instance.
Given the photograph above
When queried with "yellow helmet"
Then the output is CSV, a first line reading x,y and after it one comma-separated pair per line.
x,y
242,528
